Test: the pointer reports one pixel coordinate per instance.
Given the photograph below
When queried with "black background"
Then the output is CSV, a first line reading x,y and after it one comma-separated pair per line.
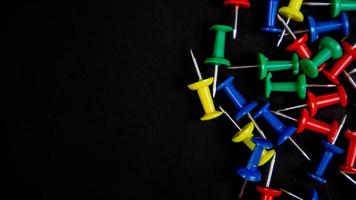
x,y
95,103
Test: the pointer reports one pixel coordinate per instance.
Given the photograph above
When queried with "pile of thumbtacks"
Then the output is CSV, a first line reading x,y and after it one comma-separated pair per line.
x,y
302,64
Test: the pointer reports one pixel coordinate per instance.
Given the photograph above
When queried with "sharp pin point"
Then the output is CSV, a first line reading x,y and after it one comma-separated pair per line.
x,y
290,194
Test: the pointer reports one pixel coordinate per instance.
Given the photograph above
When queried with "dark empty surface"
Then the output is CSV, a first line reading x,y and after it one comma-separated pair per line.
x,y
96,104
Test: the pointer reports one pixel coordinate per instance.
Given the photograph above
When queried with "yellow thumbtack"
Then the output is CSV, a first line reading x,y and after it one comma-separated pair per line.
x,y
202,87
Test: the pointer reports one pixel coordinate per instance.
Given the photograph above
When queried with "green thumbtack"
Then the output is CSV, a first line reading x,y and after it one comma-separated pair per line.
x,y
338,6
218,57
329,48
266,66
300,86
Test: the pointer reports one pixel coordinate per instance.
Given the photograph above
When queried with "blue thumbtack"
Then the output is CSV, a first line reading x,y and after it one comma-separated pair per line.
x,y
283,131
315,195
243,107
250,172
317,28
330,150
272,7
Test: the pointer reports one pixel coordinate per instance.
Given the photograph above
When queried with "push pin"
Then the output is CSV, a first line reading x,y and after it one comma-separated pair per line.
x,y
218,57
349,165
237,4
292,11
307,123
283,132
251,172
243,107
202,87
315,195
328,48
270,27
317,28
300,86
330,151
337,6
316,102
340,65
245,135
265,65
266,192
349,77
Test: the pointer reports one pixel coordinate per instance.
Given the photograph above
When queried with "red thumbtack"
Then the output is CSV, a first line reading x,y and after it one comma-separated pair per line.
x,y
350,162
300,47
348,57
268,193
307,123
314,103
237,4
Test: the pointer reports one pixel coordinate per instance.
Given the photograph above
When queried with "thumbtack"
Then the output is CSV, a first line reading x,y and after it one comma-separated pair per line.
x,y
337,6
315,195
242,106
350,79
291,194
349,166
272,7
328,48
268,193
341,64
330,150
320,27
300,86
316,102
283,132
348,177
237,4
218,51
305,122
251,172
292,11
202,87
245,135
265,65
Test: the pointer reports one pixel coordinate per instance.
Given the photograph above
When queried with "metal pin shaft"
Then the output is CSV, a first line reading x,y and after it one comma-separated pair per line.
x,y
291,108
230,118
350,79
282,35
315,4
196,65
236,21
348,177
286,27
321,85
300,149
270,172
285,116
340,128
242,190
243,67
290,194
216,69
256,126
